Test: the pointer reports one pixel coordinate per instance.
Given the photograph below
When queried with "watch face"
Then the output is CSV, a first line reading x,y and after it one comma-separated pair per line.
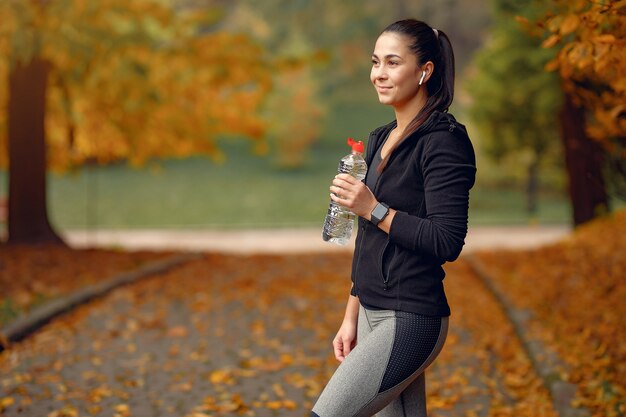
x,y
379,212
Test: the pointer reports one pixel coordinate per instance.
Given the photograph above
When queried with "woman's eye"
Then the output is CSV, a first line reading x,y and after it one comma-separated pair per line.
x,y
374,62
392,63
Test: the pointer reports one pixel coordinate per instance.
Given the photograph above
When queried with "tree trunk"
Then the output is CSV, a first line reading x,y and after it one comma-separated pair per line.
x,y
583,160
28,216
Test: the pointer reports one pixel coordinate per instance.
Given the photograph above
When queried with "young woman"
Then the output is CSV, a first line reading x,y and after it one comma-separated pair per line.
x,y
413,211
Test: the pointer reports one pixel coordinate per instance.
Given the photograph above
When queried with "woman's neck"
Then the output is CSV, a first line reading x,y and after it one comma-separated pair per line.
x,y
407,112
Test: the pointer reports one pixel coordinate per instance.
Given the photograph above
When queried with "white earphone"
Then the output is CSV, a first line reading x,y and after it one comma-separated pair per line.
x,y
422,79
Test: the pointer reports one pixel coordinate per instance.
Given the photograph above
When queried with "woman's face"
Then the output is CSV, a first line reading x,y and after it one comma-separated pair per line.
x,y
395,71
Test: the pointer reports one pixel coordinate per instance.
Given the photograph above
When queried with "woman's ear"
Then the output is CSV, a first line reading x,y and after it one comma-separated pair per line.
x,y
427,72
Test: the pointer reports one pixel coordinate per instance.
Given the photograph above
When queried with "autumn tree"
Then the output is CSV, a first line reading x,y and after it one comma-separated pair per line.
x,y
116,80
514,101
589,39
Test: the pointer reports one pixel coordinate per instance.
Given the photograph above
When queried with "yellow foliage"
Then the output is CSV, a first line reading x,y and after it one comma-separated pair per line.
x,y
592,57
135,80
576,291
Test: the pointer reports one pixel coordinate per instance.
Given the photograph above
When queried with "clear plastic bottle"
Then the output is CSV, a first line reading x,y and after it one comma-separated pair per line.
x,y
340,220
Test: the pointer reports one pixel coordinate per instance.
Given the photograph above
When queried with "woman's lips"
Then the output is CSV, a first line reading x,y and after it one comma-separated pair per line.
x,y
382,88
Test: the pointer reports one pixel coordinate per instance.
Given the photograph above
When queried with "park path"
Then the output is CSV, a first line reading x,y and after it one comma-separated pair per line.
x,y
229,335
282,241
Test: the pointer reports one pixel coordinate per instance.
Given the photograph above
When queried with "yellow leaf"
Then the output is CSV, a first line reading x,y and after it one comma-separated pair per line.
x,y
521,19
551,41
606,38
178,331
570,24
221,376
5,402
122,410
67,411
552,65
554,23
289,404
278,390
274,405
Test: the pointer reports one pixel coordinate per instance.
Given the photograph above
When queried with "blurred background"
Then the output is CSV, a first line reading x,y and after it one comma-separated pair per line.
x,y
226,119
211,114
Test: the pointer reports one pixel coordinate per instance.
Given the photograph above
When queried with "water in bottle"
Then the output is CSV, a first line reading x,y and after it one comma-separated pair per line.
x,y
340,220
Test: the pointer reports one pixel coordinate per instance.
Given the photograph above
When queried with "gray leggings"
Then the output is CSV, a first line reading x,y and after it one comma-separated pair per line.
x,y
384,373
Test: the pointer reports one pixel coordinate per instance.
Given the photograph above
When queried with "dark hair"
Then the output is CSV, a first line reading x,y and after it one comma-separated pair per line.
x,y
427,45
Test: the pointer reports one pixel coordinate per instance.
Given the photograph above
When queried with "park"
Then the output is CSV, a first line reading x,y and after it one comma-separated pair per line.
x,y
164,177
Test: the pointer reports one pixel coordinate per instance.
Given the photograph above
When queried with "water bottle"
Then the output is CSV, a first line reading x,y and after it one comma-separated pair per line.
x,y
340,220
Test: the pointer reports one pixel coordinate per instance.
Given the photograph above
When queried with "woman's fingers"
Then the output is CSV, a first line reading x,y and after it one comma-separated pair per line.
x,y
342,347
336,190
352,194
346,348
345,180
347,177
345,188
338,348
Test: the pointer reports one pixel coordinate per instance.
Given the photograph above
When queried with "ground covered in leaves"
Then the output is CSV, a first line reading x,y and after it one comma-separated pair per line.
x,y
30,276
576,291
248,335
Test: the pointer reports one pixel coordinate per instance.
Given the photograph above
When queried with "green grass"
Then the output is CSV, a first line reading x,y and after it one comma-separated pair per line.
x,y
245,192
498,205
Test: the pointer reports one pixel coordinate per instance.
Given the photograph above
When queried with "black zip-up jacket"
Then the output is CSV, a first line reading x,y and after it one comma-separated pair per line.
x,y
427,180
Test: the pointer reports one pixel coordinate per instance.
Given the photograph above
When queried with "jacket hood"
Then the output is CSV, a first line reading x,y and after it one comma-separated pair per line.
x,y
438,121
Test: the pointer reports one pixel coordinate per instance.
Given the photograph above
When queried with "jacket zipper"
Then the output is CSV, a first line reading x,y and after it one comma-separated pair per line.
x,y
356,267
385,279
364,230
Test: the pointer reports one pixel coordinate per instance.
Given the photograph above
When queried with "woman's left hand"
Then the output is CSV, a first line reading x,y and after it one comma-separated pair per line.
x,y
353,194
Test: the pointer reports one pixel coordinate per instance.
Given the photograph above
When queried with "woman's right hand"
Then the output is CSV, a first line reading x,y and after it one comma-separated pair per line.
x,y
345,340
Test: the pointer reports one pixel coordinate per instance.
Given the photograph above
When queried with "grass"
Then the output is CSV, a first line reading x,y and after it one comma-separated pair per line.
x,y
499,205
245,192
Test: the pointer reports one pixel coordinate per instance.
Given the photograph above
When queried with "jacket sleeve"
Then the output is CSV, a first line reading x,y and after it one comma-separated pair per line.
x,y
449,169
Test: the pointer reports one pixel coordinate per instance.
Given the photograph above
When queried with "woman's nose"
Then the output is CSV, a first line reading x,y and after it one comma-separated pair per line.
x,y
380,73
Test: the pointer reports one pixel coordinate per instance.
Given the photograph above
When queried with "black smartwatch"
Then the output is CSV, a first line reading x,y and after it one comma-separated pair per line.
x,y
379,213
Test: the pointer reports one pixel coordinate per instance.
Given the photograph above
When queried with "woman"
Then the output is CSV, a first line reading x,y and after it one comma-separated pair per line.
x,y
413,209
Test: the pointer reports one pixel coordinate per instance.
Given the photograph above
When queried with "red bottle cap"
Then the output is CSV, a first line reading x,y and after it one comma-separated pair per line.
x,y
356,146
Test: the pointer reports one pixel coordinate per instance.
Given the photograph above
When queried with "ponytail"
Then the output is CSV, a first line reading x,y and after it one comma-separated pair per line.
x,y
433,45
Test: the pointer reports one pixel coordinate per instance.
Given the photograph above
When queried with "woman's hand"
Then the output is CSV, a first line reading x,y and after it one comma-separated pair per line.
x,y
345,340
353,194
